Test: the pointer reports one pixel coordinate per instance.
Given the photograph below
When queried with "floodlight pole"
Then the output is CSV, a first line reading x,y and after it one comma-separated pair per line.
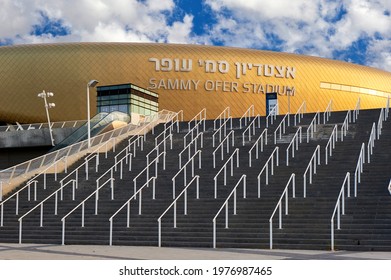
x,y
91,83
44,95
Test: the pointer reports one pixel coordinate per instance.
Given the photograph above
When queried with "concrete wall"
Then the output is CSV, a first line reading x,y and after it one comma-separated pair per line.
x,y
33,138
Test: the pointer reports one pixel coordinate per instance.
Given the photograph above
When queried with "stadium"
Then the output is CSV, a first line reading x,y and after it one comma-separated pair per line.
x,y
183,77
193,146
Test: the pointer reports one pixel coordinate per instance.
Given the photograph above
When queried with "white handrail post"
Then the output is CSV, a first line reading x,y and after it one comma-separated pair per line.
x,y
20,231
160,229
214,233
332,234
271,233
63,232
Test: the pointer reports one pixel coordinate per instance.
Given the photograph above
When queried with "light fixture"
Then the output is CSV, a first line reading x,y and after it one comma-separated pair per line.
x,y
48,106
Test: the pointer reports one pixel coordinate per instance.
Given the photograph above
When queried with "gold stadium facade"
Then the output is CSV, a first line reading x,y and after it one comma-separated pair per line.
x,y
184,77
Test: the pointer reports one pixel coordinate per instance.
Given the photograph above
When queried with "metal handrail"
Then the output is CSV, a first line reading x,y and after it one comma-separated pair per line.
x,y
251,125
256,145
337,208
356,110
283,125
184,193
266,168
112,169
296,139
224,167
184,168
225,204
312,127
300,112
195,142
380,123
191,132
359,168
82,203
9,174
327,112
127,203
41,204
330,146
201,115
156,148
135,139
222,117
345,125
53,125
247,116
371,142
314,161
168,128
221,146
272,114
76,170
279,207
27,186
146,169
222,128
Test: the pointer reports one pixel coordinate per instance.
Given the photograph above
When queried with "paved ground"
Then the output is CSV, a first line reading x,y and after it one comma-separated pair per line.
x,y
77,252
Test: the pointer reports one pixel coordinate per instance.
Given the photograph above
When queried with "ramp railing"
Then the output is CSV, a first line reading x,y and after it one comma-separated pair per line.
x,y
53,125
9,174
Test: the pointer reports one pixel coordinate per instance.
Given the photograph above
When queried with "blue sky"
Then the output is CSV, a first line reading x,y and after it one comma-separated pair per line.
x,y
357,31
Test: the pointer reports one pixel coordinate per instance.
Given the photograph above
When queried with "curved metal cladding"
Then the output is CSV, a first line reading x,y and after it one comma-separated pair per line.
x,y
187,77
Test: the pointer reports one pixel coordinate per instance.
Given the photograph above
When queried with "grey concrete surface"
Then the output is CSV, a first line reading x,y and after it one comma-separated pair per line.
x,y
79,252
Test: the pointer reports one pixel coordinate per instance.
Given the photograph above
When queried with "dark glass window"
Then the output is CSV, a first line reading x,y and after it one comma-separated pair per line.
x,y
127,98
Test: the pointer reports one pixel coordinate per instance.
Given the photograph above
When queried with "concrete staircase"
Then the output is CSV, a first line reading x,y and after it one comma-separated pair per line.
x,y
364,227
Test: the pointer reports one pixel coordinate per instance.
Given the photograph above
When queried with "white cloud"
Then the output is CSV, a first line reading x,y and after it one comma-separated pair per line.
x,y
318,27
379,54
93,20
